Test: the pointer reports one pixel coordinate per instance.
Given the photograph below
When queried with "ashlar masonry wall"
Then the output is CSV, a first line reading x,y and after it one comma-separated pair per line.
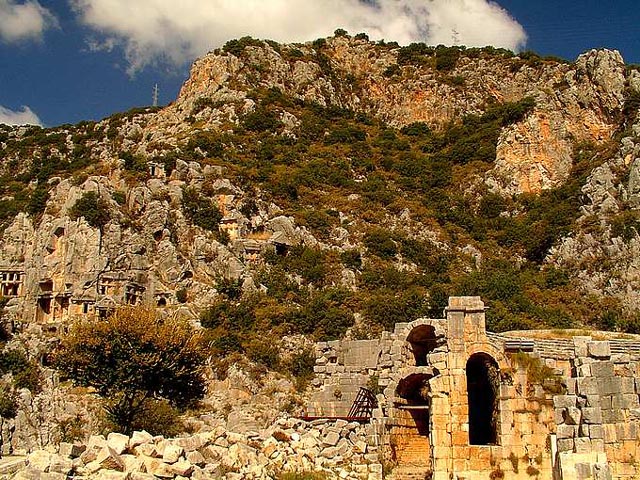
x,y
456,402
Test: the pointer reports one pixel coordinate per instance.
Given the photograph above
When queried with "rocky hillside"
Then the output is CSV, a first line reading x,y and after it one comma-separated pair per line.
x,y
336,187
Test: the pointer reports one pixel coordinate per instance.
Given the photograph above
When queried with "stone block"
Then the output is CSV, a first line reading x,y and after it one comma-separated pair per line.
x,y
609,385
588,386
566,431
611,415
627,385
592,415
182,468
138,438
580,345
583,471
157,468
597,445
602,369
601,471
582,445
593,400
610,434
108,459
630,400
564,401
572,416
565,445
110,475
72,450
118,442
583,370
172,453
596,432
583,430
572,386
599,349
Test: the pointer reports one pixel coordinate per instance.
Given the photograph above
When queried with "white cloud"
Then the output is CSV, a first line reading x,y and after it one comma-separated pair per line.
x,y
24,21
176,32
26,116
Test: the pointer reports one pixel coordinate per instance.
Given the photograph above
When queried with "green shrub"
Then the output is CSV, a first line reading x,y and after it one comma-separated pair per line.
x,y
262,120
264,351
380,242
30,378
235,317
134,163
158,417
92,208
200,210
8,402
392,71
351,259
446,58
415,54
300,365
181,295
38,200
625,224
237,46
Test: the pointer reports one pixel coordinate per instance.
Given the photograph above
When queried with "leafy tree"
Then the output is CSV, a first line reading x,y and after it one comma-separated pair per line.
x,y
133,357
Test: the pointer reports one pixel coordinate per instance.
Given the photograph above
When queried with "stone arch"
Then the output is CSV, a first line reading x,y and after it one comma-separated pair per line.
x,y
422,337
483,384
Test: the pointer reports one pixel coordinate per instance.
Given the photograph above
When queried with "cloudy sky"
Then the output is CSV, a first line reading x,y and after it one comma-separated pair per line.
x,y
62,61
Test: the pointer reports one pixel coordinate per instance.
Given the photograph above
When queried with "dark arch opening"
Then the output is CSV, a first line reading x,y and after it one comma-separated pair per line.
x,y
483,382
423,340
415,390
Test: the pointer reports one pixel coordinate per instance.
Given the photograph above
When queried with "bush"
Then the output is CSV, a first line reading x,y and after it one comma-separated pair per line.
x,y
158,417
38,200
415,54
380,242
29,377
265,352
237,46
234,317
300,365
92,208
262,120
446,58
181,295
8,402
200,210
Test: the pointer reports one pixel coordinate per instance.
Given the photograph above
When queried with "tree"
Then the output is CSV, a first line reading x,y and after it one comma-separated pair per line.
x,y
134,358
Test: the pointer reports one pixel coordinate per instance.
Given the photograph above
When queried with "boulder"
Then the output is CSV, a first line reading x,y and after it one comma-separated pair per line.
x,y
139,438
172,453
183,468
108,459
39,460
118,442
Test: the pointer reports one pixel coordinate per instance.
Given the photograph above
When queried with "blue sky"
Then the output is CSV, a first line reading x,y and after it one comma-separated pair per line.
x,y
63,61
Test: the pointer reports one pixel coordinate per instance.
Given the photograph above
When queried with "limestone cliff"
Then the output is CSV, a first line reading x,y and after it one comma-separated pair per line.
x,y
574,102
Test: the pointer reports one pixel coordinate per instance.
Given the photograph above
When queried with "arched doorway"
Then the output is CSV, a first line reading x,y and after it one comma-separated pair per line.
x,y
483,383
423,340
410,444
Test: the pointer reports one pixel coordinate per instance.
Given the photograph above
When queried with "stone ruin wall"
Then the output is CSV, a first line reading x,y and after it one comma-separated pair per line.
x,y
582,421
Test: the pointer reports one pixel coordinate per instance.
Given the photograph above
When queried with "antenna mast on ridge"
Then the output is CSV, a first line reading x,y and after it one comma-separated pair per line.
x,y
155,95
